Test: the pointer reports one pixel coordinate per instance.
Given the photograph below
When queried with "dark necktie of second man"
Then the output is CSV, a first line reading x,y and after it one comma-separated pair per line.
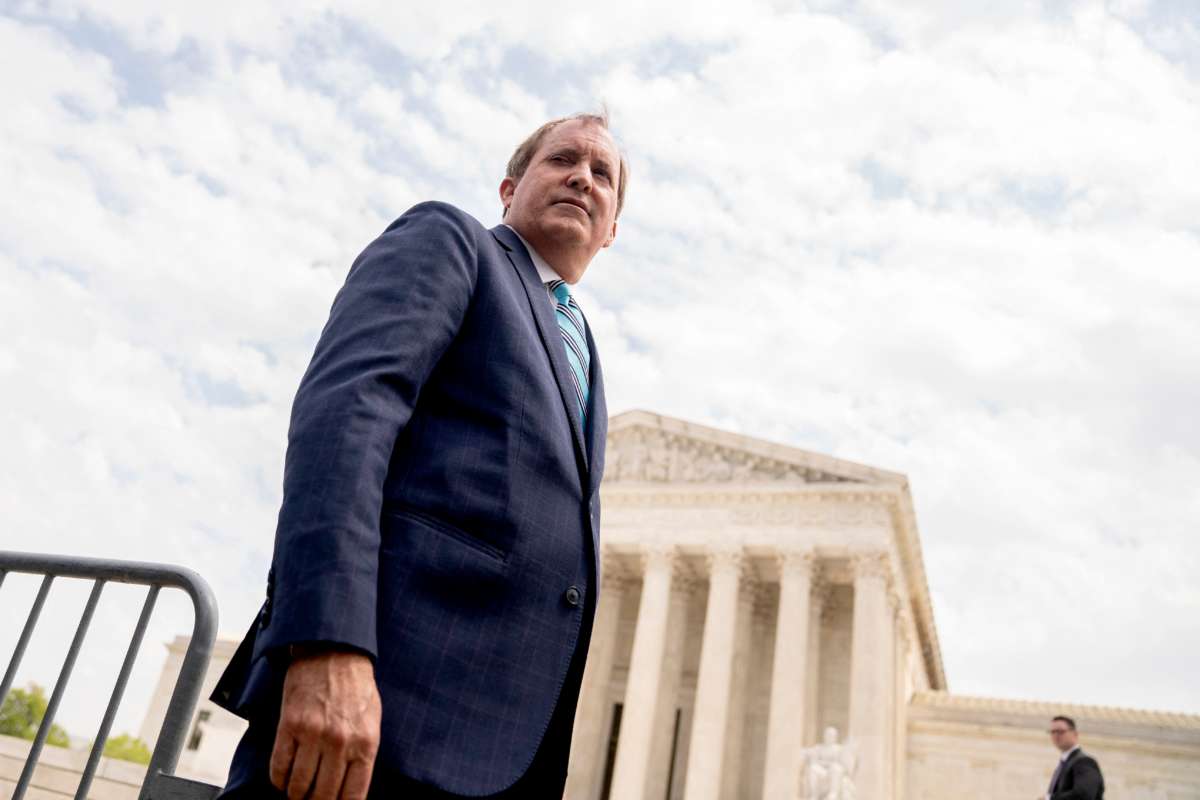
x,y
1054,777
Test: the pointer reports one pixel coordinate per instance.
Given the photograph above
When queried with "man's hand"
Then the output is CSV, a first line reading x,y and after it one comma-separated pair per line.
x,y
328,728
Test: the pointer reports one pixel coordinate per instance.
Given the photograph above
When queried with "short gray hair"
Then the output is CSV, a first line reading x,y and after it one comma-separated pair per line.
x,y
523,155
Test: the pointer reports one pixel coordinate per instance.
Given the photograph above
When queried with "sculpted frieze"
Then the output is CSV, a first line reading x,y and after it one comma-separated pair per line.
x,y
793,515
659,518
655,456
812,514
799,515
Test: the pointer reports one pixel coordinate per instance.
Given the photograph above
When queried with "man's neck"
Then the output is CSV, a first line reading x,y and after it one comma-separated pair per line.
x,y
1067,753
545,271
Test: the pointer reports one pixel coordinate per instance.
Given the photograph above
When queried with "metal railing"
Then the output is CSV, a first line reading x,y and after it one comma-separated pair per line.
x,y
159,783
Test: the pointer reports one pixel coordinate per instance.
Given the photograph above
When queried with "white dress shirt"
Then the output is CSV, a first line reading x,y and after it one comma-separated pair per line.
x,y
544,270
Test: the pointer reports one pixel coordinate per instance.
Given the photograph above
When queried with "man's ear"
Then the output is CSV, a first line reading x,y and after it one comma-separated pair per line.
x,y
613,235
507,187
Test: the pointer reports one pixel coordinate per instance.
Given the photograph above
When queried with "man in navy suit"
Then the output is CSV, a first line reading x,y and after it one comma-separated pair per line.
x,y
430,599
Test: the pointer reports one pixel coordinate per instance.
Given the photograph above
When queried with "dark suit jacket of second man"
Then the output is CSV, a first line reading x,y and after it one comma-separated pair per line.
x,y
441,503
1079,779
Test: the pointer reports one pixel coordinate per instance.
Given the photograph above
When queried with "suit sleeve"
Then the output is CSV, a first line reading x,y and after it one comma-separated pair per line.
x,y
1087,782
403,302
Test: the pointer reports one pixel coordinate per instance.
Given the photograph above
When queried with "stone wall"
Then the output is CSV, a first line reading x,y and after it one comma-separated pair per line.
x,y
58,770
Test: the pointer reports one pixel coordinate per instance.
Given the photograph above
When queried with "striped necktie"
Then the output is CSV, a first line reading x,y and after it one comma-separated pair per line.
x,y
572,327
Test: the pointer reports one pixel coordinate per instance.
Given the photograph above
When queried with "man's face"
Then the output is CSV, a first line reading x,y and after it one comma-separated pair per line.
x,y
1063,737
565,205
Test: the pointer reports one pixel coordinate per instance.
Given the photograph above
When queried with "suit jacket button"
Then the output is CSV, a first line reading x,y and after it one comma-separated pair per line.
x,y
572,596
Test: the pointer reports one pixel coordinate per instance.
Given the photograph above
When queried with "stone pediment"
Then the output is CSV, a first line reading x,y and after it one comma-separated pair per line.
x,y
650,448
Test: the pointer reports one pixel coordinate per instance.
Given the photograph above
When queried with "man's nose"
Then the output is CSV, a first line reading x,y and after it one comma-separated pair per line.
x,y
580,179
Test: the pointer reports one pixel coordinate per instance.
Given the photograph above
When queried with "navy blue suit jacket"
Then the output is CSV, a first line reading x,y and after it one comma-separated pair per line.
x,y
440,505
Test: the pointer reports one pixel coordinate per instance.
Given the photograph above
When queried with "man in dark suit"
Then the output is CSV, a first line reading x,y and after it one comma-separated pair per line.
x,y
431,594
1077,775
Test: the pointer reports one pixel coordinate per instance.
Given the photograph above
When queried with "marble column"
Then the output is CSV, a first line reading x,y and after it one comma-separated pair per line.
x,y
713,682
732,765
683,588
789,680
588,742
760,662
870,675
645,675
820,596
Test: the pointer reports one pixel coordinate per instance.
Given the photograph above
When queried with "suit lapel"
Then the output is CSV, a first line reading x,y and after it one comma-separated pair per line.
x,y
597,430
547,325
1061,773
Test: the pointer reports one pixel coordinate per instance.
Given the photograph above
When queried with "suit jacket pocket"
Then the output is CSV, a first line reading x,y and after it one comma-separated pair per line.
x,y
468,539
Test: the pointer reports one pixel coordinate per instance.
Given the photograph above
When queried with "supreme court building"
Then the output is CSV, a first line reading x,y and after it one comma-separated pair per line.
x,y
754,595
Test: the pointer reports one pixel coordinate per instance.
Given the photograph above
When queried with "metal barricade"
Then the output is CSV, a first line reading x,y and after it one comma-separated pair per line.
x,y
159,783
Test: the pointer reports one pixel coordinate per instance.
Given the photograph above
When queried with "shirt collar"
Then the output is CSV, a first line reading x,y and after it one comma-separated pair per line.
x,y
1067,754
544,270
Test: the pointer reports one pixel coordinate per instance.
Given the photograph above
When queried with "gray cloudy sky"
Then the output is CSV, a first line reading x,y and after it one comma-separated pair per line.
x,y
954,240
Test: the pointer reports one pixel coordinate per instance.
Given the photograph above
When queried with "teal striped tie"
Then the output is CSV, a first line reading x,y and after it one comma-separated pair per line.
x,y
572,326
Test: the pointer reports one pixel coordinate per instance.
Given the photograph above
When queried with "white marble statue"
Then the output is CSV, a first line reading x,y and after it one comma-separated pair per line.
x,y
827,770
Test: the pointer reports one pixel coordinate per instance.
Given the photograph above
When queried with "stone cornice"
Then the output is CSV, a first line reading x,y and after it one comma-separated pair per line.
x,y
223,647
760,504
909,543
741,494
1085,715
